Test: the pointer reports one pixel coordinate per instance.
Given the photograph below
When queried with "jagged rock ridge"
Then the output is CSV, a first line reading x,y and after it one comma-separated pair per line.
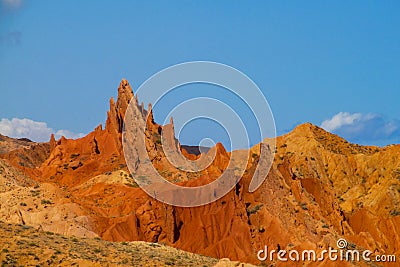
x,y
320,188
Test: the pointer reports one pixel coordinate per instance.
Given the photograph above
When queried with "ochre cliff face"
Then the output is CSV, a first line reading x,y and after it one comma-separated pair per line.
x,y
320,188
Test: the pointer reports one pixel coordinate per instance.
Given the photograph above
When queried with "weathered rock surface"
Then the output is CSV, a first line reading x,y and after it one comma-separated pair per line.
x,y
320,188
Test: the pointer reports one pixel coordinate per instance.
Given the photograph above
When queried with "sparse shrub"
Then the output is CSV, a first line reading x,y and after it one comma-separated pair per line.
x,y
74,155
171,262
46,202
35,193
23,204
396,173
134,185
254,209
395,212
157,138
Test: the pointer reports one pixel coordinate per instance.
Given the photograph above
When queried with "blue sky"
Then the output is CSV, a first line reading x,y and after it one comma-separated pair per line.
x,y
61,61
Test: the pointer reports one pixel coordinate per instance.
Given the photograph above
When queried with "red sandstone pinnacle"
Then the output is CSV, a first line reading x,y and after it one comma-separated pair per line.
x,y
116,114
320,188
52,142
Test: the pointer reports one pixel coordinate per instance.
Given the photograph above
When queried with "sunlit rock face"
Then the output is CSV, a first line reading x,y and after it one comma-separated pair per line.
x,y
320,188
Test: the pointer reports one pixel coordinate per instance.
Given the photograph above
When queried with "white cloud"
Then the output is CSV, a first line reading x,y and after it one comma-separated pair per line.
x,y
339,120
36,131
362,128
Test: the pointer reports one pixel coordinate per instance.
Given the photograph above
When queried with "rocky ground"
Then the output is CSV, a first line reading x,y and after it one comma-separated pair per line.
x,y
23,245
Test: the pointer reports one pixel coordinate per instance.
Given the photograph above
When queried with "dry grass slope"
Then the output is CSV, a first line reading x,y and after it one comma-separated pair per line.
x,y
27,246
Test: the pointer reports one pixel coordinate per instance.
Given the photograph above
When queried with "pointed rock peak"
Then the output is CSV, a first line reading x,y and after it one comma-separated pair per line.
x,y
125,94
220,147
116,114
62,140
305,126
53,143
124,82
309,130
305,129
150,118
99,128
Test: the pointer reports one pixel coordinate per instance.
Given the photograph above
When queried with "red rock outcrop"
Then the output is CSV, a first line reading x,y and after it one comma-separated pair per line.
x,y
320,188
